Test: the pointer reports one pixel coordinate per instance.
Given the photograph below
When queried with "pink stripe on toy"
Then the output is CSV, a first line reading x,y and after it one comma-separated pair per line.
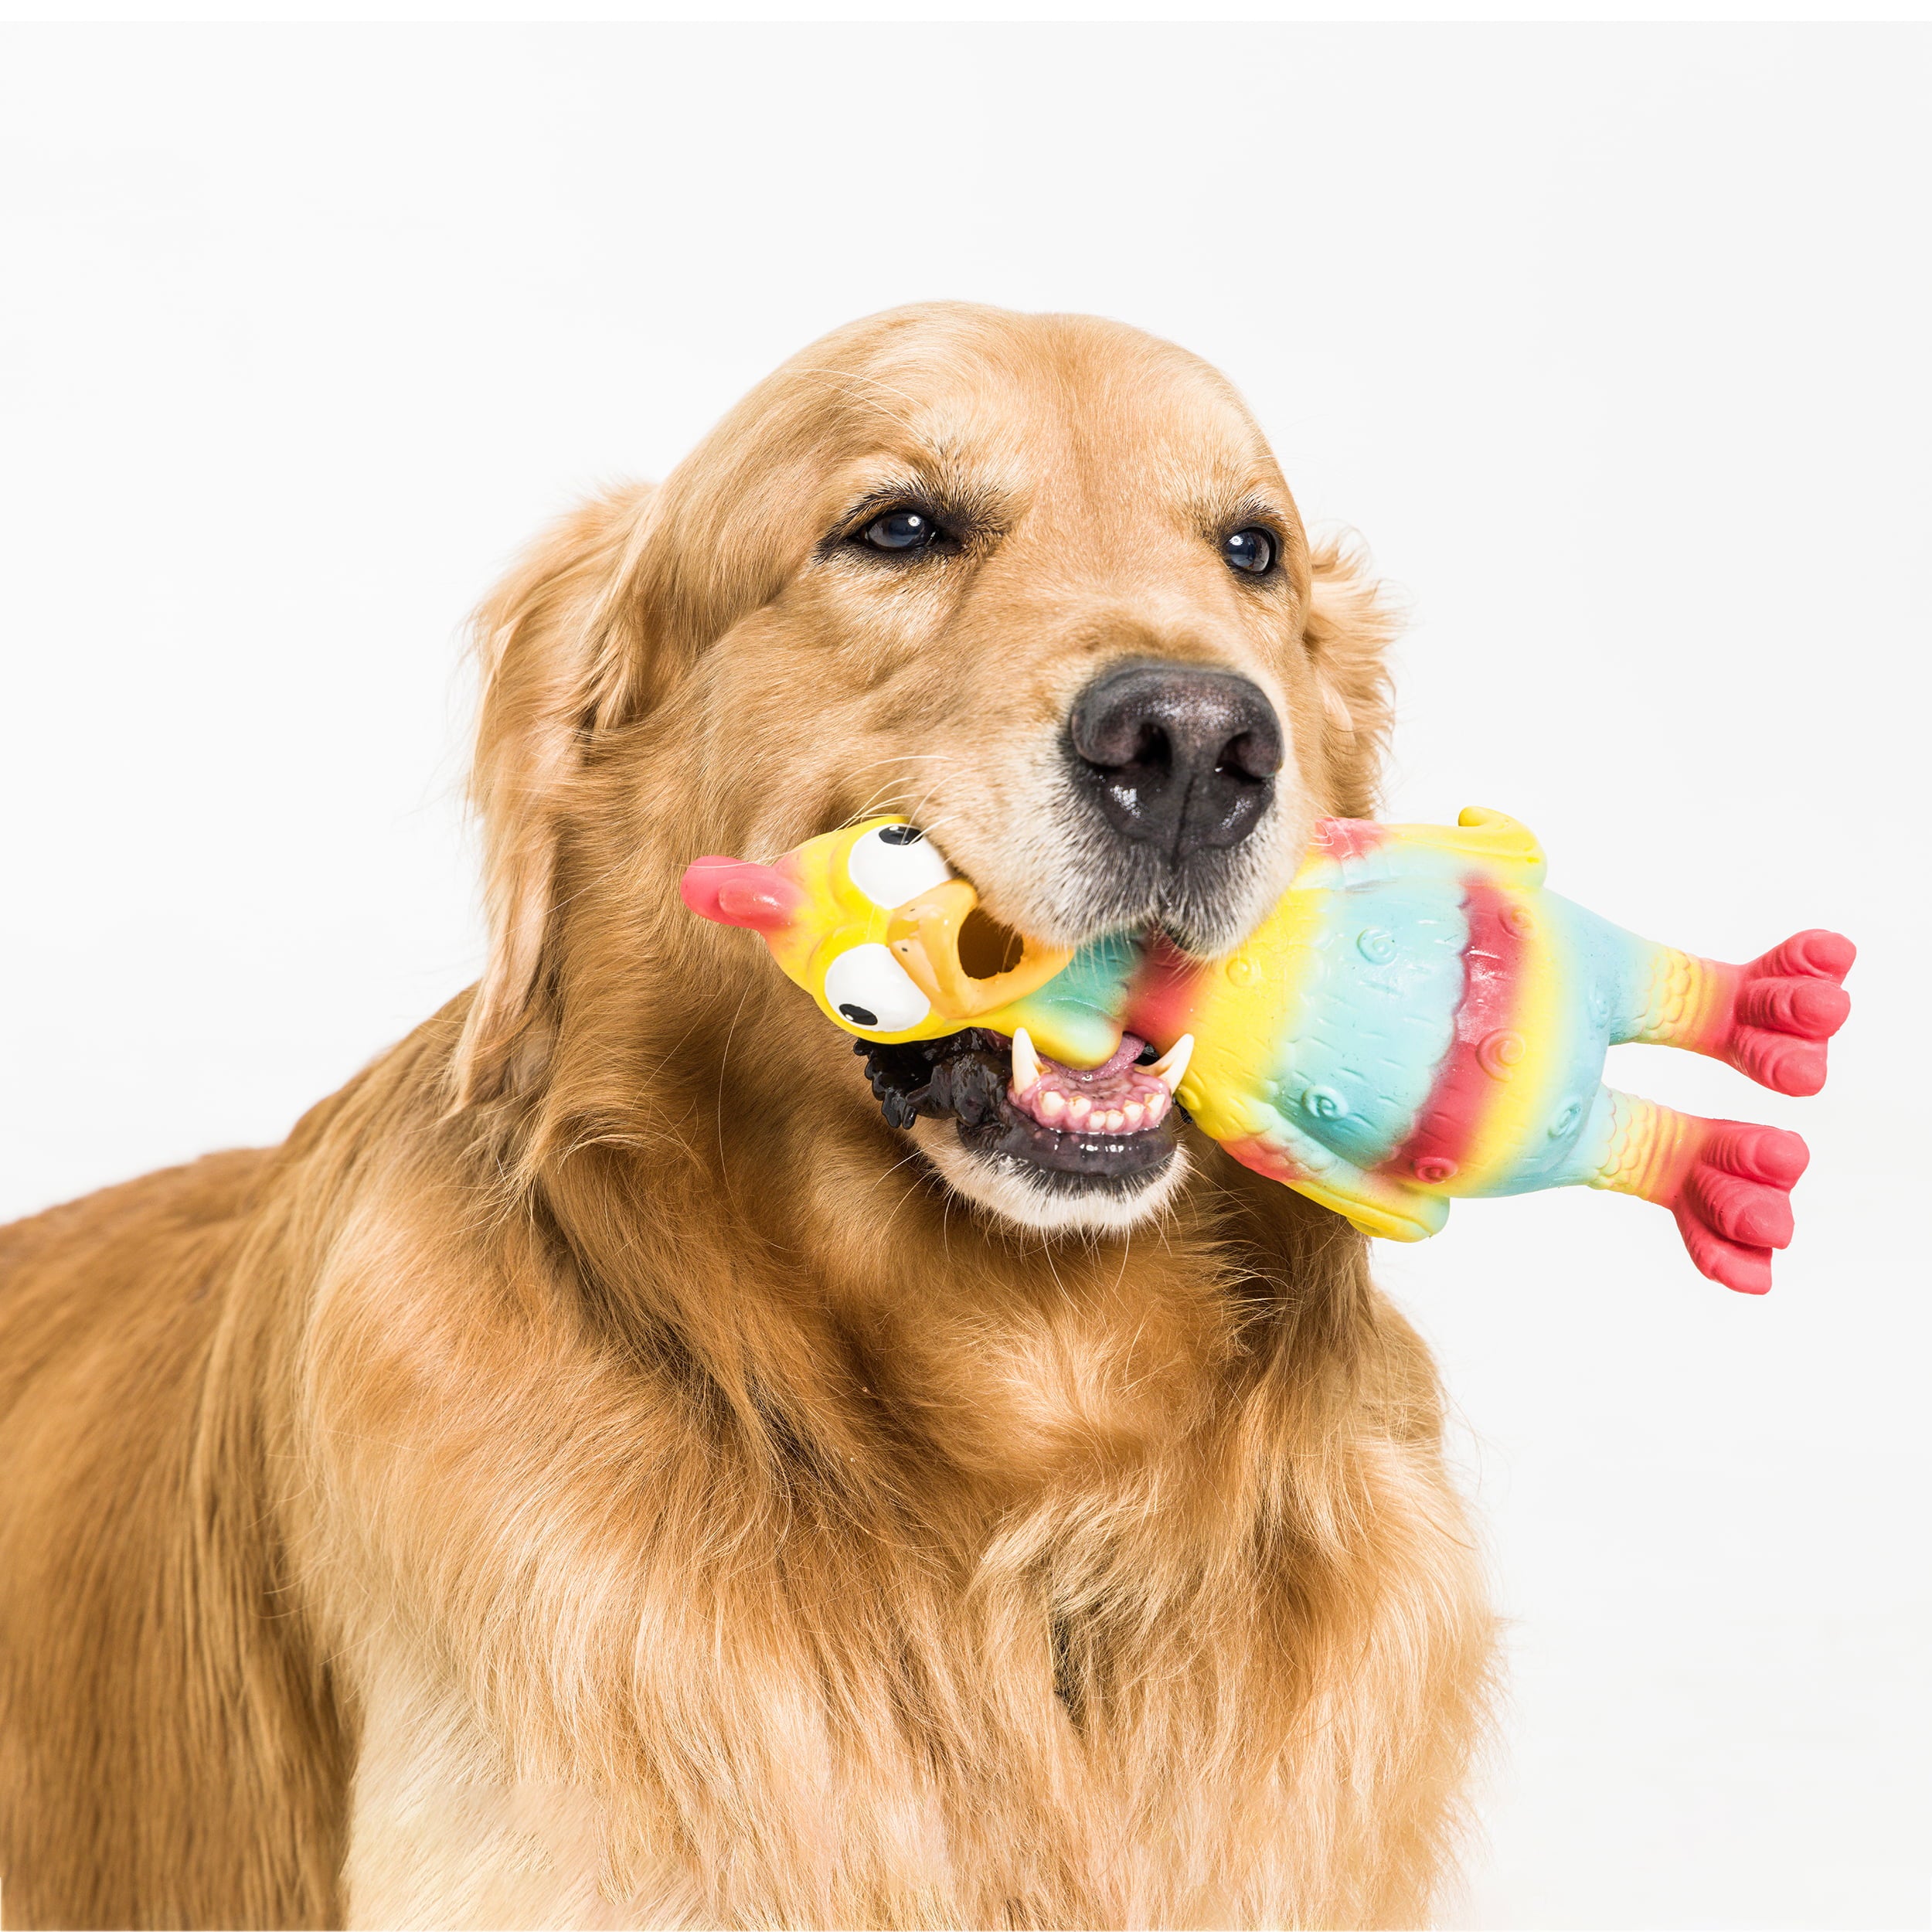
x,y
1449,1130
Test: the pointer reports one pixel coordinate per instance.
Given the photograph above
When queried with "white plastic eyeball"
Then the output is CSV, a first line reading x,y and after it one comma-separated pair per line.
x,y
892,863
870,988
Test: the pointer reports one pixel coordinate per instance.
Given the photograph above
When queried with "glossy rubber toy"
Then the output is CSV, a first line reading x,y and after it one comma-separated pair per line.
x,y
1416,1018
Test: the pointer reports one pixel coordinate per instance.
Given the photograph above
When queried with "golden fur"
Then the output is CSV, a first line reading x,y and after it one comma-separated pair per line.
x,y
595,1472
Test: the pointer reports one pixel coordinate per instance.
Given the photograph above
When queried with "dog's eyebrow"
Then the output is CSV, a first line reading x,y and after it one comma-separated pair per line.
x,y
1219,516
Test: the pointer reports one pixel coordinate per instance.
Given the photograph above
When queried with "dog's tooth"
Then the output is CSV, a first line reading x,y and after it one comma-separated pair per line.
x,y
1025,1062
1078,1108
1114,1122
1157,1106
1050,1105
1134,1114
1172,1066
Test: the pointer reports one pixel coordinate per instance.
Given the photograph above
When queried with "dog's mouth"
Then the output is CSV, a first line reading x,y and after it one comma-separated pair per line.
x,y
1110,1128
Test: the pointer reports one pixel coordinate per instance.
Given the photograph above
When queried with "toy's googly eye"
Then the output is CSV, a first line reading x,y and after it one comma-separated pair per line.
x,y
893,863
868,987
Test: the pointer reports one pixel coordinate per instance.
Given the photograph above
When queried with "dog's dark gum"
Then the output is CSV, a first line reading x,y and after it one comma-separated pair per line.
x,y
964,1077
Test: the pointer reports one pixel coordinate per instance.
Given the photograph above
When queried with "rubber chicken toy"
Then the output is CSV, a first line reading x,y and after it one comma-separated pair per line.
x,y
1417,1018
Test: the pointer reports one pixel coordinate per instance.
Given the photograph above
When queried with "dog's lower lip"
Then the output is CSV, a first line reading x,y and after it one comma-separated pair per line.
x,y
1072,1157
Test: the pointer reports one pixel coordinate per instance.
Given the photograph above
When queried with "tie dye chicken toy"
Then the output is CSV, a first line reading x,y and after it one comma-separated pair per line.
x,y
1417,1018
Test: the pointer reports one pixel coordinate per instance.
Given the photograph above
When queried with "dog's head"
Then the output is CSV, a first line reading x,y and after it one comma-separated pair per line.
x,y
1034,582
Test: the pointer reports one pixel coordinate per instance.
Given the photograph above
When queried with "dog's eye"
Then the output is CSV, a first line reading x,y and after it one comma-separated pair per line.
x,y
1252,550
892,863
900,531
868,988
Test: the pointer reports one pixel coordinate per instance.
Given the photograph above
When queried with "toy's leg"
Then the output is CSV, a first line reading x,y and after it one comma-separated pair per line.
x,y
1728,1182
1770,1019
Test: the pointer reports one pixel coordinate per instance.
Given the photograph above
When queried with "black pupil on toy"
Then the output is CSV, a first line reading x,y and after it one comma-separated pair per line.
x,y
858,1015
901,530
900,835
1250,550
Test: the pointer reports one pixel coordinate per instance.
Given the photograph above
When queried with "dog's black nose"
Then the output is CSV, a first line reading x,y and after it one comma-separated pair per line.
x,y
1175,754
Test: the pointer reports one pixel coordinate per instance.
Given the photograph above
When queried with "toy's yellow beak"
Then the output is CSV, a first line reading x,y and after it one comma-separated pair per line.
x,y
963,961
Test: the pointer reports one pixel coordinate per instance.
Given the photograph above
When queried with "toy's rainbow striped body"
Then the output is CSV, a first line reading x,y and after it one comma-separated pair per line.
x,y
1417,1019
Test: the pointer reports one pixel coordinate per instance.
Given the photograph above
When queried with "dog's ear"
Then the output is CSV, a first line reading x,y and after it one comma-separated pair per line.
x,y
1352,622
562,655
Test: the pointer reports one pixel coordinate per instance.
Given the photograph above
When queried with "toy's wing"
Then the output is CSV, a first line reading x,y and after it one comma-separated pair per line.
x,y
1374,1203
1372,1206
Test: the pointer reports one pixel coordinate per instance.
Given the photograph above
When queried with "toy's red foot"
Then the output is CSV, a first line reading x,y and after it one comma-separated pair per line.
x,y
1733,1202
1786,1005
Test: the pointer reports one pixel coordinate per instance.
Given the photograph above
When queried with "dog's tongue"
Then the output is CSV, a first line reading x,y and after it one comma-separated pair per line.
x,y
1123,1056
1115,1097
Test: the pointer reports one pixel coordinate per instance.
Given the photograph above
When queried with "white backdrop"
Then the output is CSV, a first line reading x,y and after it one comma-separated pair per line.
x,y
1611,342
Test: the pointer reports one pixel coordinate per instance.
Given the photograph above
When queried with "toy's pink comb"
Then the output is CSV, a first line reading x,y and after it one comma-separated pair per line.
x,y
736,892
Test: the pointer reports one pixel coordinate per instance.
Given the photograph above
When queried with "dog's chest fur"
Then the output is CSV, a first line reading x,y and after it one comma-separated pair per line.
x,y
1115,1668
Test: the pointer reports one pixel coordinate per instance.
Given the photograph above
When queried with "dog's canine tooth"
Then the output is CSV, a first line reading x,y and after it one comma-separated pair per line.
x,y
1172,1066
1025,1062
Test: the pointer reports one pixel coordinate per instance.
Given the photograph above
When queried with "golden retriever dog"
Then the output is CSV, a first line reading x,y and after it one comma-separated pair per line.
x,y
604,1469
